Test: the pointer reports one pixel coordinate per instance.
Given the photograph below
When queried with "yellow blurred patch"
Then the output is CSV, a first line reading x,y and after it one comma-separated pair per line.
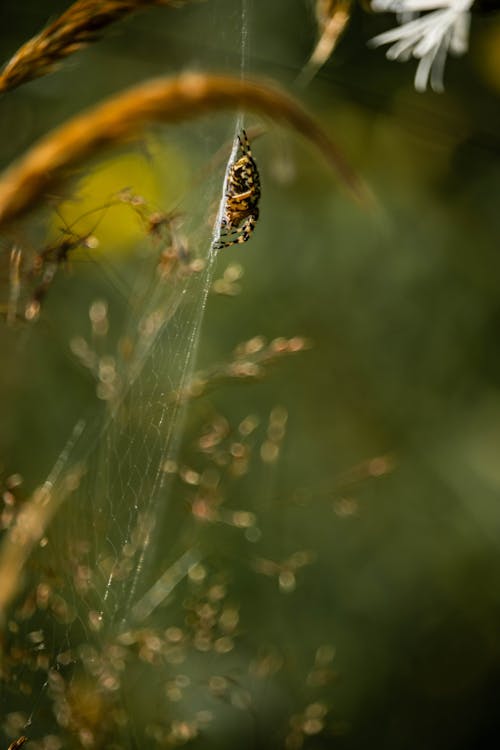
x,y
157,176
487,59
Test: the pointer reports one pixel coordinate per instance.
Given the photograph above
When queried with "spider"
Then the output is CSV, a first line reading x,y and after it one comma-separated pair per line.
x,y
242,198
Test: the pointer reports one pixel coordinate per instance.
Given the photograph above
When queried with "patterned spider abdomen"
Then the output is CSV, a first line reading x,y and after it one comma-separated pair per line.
x,y
241,210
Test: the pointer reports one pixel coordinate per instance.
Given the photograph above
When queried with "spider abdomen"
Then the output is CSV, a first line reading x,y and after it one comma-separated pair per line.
x,y
241,210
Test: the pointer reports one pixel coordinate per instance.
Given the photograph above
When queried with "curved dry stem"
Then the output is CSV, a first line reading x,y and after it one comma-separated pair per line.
x,y
166,100
75,28
332,18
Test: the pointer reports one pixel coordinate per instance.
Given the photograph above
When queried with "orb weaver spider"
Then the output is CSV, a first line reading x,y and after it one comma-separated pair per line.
x,y
241,199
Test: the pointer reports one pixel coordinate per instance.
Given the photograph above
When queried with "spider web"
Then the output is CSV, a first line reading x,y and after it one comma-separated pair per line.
x,y
115,546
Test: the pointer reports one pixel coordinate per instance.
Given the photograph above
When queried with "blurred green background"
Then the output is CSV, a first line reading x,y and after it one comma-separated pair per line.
x,y
402,308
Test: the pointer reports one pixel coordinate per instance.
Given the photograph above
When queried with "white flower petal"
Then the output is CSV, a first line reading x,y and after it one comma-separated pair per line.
x,y
434,36
459,43
381,6
423,70
437,70
423,5
401,50
443,28
412,30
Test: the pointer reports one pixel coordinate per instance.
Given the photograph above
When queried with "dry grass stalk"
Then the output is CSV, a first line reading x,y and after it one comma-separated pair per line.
x,y
18,743
251,362
27,531
170,99
332,17
29,526
78,26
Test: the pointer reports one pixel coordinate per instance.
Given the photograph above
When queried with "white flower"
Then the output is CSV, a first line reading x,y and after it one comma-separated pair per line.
x,y
428,38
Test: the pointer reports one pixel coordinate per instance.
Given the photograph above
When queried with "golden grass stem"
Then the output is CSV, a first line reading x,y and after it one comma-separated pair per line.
x,y
170,99
32,521
75,28
332,18
27,531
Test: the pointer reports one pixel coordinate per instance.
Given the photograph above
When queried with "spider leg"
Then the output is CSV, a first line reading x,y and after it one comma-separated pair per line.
x,y
240,235
245,143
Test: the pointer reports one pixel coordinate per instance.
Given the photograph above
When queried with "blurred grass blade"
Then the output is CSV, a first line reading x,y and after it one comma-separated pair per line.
x,y
32,521
75,28
171,99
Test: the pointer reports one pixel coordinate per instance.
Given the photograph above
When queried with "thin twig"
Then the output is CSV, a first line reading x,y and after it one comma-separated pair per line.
x,y
170,99
75,28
